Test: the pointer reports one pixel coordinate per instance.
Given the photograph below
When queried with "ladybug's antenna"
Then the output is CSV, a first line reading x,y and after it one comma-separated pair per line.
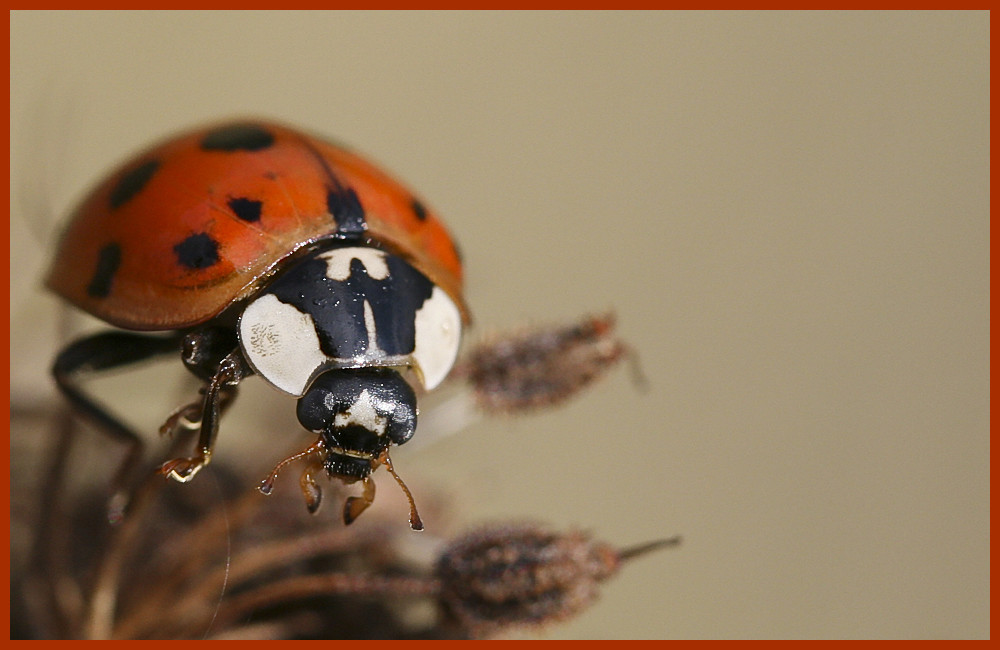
x,y
415,522
268,484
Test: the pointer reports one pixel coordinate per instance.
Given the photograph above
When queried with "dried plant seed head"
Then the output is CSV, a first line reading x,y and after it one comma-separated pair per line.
x,y
542,366
503,577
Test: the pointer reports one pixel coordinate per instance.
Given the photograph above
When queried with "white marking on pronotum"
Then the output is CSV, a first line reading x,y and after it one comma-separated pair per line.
x,y
373,351
338,263
362,413
439,333
280,343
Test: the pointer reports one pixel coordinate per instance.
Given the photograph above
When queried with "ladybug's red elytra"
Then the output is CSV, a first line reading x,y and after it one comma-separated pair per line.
x,y
258,249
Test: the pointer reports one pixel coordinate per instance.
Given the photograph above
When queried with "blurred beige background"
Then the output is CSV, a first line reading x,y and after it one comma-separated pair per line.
x,y
788,211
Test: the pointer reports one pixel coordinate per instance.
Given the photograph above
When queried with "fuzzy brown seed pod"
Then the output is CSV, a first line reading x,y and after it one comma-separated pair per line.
x,y
542,366
501,577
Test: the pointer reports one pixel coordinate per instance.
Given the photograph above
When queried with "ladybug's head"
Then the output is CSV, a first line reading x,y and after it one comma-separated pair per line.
x,y
359,413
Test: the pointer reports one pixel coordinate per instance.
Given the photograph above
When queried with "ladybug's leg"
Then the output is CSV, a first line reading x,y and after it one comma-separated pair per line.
x,y
203,352
105,351
187,418
219,391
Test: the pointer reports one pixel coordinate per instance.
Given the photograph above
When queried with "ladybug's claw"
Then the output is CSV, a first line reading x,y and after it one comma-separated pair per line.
x,y
182,469
185,418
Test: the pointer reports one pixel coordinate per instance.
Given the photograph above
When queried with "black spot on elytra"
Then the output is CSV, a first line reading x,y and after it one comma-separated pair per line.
x,y
199,251
132,183
419,210
108,260
345,206
246,209
236,137
337,308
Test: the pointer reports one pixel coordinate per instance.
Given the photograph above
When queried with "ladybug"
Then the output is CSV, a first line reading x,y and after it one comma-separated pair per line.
x,y
252,248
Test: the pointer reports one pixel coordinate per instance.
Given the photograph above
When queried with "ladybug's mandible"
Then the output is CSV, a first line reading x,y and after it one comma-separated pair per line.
x,y
259,249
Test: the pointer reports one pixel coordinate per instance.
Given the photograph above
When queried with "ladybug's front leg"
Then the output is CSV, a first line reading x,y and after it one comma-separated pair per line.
x,y
218,393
